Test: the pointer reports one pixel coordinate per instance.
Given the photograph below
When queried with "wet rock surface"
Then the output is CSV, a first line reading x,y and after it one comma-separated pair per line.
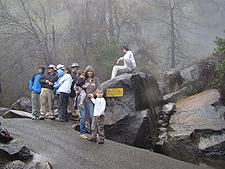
x,y
23,104
39,165
14,165
175,96
197,128
17,114
5,136
61,146
3,110
13,152
126,119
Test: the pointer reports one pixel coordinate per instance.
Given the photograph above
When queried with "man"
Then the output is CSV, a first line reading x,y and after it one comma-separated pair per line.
x,y
47,96
129,63
74,67
35,88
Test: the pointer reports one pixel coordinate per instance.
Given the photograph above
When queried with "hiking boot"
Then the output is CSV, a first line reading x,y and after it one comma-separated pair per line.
x,y
41,118
53,118
34,118
81,105
83,136
93,139
62,120
101,141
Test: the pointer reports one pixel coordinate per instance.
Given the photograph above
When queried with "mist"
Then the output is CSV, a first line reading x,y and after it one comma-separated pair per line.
x,y
162,34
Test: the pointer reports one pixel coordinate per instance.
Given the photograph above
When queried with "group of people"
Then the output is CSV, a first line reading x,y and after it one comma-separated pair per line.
x,y
74,86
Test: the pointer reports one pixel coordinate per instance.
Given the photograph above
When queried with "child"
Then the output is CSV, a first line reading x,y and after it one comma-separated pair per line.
x,y
64,89
35,88
99,116
80,82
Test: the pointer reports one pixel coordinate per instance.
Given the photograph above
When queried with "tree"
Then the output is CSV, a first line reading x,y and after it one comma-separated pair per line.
x,y
173,22
28,39
219,51
105,52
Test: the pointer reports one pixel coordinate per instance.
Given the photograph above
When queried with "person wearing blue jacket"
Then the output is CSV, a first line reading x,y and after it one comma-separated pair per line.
x,y
57,85
35,88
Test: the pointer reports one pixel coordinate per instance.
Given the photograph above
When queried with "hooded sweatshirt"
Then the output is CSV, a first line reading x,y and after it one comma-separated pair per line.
x,y
34,84
92,85
57,85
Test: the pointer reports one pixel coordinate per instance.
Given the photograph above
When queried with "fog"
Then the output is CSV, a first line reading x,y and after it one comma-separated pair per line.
x,y
163,34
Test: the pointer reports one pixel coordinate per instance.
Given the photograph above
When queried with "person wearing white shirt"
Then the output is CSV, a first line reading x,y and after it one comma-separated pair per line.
x,y
99,117
129,63
64,89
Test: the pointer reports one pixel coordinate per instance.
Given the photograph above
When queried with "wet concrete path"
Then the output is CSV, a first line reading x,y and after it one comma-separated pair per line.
x,y
59,144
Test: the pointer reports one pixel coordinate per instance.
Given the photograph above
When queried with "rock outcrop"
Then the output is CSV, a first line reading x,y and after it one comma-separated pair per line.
x,y
23,104
17,114
5,136
13,152
3,110
197,129
130,119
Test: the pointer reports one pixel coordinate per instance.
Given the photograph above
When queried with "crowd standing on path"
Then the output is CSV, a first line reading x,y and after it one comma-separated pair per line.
x,y
74,87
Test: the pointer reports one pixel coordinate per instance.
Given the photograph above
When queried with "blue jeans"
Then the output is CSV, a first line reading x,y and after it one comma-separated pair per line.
x,y
90,109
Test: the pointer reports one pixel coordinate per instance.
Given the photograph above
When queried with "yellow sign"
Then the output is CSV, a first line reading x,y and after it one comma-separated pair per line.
x,y
114,92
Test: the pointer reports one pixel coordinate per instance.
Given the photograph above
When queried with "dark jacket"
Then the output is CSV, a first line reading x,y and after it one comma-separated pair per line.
x,y
80,82
74,77
52,78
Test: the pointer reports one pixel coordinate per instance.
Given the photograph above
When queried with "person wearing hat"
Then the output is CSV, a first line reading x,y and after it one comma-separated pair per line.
x,y
35,88
47,81
72,102
59,66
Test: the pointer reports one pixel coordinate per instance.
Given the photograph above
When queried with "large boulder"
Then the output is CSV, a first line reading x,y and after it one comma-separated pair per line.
x,y
175,96
173,80
39,165
15,152
23,104
197,129
127,117
14,165
5,137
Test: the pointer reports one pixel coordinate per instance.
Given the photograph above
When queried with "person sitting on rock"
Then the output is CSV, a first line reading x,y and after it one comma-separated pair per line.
x,y
129,63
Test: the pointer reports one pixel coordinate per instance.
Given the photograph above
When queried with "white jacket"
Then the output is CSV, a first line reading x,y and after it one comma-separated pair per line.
x,y
99,106
129,55
65,82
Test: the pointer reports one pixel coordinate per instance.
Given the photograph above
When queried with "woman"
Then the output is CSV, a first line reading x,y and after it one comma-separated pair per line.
x,y
129,62
64,89
92,84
